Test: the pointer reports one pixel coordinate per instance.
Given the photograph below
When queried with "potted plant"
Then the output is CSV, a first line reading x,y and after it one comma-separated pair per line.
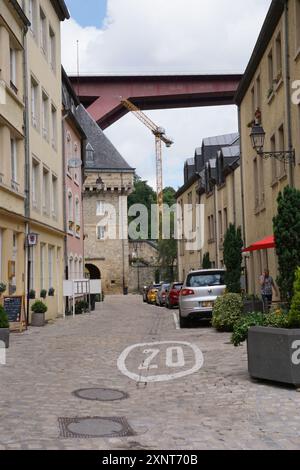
x,y
32,294
273,342
51,292
252,303
4,327
38,313
2,288
43,294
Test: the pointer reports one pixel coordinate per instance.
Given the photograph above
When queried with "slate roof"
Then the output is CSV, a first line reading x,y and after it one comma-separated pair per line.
x,y
106,156
220,140
233,151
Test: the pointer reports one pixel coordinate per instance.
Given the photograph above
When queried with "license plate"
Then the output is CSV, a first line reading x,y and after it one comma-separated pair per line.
x,y
206,304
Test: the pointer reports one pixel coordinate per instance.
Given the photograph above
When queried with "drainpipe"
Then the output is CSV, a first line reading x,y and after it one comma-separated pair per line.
x,y
287,92
244,235
64,117
27,173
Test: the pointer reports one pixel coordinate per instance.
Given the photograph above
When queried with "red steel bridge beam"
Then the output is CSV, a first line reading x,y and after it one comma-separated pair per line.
x,y
101,95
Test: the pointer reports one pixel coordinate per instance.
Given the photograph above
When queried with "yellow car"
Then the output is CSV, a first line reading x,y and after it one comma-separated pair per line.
x,y
151,297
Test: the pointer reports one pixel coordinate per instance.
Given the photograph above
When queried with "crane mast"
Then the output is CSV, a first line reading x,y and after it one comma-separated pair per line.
x,y
160,136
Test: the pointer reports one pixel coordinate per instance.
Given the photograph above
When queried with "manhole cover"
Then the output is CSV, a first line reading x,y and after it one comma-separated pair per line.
x,y
100,394
91,427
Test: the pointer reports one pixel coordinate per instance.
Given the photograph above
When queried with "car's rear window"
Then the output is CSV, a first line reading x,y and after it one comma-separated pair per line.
x,y
206,279
177,286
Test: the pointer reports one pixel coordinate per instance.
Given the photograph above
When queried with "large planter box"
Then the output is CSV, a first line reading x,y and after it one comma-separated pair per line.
x,y
4,336
274,354
251,306
38,319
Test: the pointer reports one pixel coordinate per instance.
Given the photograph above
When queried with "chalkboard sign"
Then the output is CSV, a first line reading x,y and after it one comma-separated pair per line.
x,y
14,308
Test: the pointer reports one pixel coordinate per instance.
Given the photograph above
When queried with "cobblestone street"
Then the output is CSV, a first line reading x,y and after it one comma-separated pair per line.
x,y
217,407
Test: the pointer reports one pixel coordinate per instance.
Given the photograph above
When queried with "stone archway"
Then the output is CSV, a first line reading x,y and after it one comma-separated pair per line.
x,y
94,271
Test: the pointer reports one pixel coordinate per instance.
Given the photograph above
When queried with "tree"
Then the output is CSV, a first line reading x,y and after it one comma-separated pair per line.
x,y
233,245
206,263
142,194
287,237
294,314
168,248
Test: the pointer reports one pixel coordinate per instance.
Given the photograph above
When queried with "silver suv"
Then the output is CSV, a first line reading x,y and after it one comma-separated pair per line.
x,y
199,293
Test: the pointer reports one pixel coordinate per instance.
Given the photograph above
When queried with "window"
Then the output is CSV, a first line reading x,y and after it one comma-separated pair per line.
x,y
89,153
35,183
274,169
101,232
45,191
278,58
225,220
54,127
13,68
221,225
271,72
54,206
211,229
42,265
258,93
253,107
32,268
52,49
34,103
32,16
281,146
70,207
256,183
45,110
77,211
13,159
50,266
100,208
1,252
43,32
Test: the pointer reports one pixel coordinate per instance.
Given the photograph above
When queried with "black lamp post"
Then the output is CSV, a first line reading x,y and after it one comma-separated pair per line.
x,y
257,137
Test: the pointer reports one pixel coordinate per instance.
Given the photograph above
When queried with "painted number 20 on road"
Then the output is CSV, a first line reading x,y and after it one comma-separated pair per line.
x,y
174,358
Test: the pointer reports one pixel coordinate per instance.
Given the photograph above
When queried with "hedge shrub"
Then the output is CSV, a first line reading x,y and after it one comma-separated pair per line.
x,y
227,311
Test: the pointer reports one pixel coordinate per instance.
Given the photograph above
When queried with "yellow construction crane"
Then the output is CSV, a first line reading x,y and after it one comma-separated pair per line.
x,y
160,136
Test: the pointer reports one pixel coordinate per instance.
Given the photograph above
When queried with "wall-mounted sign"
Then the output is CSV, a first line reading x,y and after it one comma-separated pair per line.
x,y
32,239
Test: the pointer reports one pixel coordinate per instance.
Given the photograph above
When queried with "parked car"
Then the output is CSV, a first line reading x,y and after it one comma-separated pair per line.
x,y
145,293
151,296
172,299
199,293
161,295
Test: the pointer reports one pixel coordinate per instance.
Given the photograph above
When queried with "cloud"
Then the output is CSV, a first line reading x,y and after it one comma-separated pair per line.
x,y
167,36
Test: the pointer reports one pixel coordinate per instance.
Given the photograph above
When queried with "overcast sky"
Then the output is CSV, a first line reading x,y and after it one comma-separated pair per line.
x,y
121,36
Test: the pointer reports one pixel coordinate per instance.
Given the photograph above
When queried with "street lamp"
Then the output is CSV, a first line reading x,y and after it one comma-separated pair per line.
x,y
257,137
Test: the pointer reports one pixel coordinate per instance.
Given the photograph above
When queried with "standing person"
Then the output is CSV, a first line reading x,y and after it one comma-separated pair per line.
x,y
267,285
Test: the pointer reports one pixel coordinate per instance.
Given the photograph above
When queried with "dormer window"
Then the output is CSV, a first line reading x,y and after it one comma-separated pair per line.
x,y
89,153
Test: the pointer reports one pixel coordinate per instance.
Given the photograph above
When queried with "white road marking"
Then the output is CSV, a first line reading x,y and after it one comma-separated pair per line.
x,y
176,321
199,361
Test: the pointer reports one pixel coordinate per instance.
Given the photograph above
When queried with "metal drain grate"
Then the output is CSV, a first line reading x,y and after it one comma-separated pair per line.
x,y
92,427
100,394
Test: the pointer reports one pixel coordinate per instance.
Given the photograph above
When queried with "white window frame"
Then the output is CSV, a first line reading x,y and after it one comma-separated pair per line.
x,y
100,210
14,160
101,232
13,66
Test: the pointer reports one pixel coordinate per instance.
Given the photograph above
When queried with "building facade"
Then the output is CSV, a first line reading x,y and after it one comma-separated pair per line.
x,y
108,182
13,28
214,182
44,151
74,143
266,91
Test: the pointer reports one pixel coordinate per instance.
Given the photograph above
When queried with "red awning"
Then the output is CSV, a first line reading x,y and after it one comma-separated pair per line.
x,y
265,244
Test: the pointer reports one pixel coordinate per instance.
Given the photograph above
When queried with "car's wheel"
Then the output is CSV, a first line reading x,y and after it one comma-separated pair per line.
x,y
183,322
